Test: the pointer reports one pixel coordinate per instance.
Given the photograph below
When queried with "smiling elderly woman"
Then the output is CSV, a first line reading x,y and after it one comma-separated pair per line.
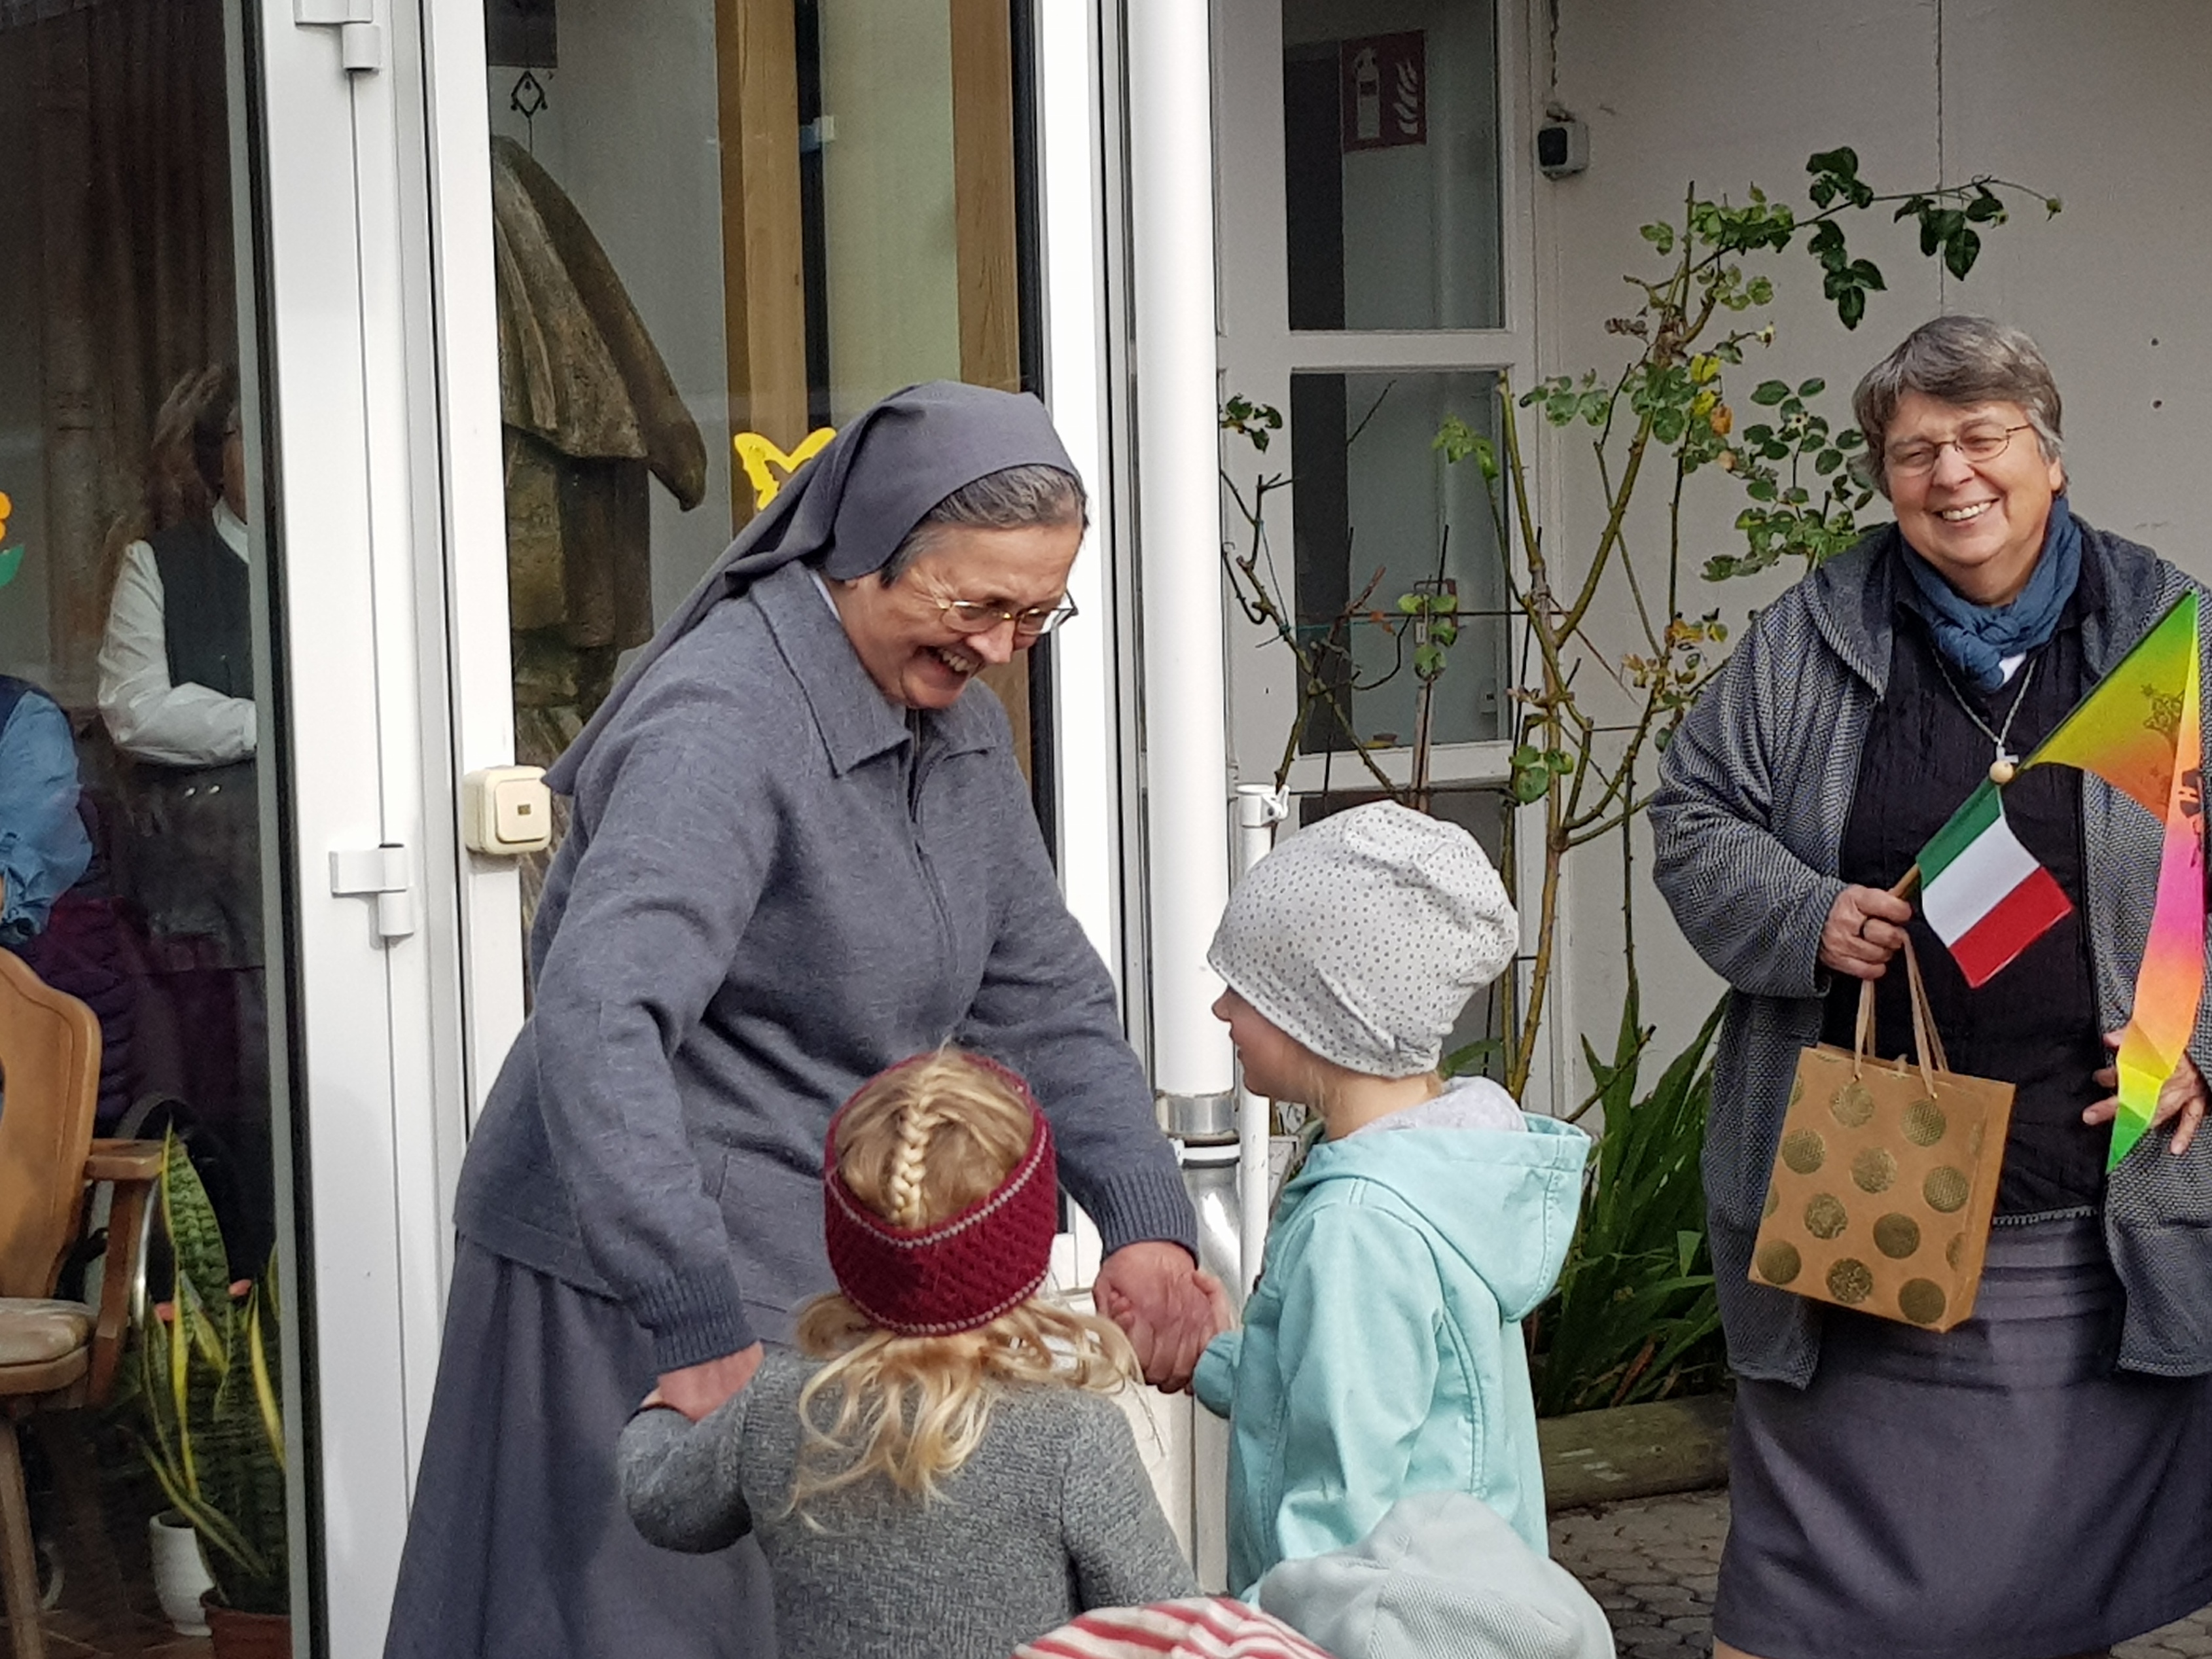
x,y
801,851
2039,1480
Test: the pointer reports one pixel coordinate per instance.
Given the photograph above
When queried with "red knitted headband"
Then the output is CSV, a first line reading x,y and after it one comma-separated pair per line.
x,y
960,1273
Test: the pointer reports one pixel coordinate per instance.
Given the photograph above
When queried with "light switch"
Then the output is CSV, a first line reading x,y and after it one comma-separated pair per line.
x,y
506,811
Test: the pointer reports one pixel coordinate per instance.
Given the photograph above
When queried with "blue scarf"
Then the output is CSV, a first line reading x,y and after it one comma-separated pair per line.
x,y
1977,638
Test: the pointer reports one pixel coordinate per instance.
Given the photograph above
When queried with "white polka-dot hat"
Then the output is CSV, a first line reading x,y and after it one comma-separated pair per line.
x,y
1363,936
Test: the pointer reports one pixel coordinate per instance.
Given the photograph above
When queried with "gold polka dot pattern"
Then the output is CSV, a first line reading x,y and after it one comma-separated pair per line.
x,y
1825,1217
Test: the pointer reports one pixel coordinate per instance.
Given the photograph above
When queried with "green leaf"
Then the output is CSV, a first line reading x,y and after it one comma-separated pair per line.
x,y
1843,161
1960,252
1827,461
1661,236
1812,388
1850,306
11,560
1769,393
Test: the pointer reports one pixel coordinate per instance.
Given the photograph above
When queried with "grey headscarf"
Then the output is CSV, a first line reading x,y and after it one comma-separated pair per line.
x,y
847,511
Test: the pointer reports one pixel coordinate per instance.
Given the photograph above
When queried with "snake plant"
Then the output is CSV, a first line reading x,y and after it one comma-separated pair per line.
x,y
204,1391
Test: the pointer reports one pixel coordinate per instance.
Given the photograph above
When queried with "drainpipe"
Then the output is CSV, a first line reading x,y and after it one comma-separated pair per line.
x,y
1168,62
1259,809
1186,753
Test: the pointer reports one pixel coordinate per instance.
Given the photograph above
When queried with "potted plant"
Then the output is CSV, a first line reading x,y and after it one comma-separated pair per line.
x,y
202,1385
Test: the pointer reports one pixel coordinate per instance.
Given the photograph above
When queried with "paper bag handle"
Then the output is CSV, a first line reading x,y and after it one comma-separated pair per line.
x,y
1927,1043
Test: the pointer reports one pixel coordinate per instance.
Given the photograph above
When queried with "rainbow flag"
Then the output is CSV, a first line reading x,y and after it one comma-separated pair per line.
x,y
2141,731
1987,898
1983,893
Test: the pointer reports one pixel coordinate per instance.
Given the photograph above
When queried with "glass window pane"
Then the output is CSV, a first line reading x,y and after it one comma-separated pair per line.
x,y
1391,164
725,223
137,818
1377,512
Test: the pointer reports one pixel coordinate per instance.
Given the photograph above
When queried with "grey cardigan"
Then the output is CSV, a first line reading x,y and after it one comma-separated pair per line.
x,y
768,893
1748,823
1050,1517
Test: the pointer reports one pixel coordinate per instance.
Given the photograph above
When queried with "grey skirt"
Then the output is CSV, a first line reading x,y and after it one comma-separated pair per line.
x,y
1995,1492
518,1547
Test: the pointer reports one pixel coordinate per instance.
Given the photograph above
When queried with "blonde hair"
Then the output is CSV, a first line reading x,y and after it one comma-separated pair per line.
x,y
917,1146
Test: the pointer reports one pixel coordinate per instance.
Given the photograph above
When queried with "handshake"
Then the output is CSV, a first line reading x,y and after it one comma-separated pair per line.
x,y
1168,1307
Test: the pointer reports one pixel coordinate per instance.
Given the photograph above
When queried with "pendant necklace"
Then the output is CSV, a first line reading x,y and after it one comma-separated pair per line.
x,y
2006,766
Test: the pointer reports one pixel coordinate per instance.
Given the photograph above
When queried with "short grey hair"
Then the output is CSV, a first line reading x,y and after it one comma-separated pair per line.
x,y
1957,360
1012,498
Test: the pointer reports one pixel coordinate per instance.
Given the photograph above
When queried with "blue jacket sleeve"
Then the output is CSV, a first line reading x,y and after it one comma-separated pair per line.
x,y
1214,1382
42,845
1359,1377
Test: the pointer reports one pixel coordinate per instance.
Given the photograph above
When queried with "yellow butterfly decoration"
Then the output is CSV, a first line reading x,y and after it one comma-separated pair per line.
x,y
757,455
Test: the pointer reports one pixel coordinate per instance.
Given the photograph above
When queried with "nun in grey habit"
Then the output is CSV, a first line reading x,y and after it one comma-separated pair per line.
x,y
798,854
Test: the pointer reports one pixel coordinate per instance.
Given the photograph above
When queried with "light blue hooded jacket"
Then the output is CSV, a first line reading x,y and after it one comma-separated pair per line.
x,y
1380,1354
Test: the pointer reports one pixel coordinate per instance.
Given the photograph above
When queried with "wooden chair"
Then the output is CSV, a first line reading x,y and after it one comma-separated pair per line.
x,y
54,1355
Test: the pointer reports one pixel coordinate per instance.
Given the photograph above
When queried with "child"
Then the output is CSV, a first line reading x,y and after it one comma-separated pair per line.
x,y
937,1470
1381,1353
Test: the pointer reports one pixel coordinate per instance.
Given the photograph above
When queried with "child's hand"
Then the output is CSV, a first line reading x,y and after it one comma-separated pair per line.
x,y
1217,1303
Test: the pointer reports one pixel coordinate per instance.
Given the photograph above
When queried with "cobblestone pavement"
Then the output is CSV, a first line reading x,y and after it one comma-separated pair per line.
x,y
1653,1566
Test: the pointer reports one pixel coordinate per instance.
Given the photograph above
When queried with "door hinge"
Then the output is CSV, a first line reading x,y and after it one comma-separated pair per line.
x,y
385,873
361,37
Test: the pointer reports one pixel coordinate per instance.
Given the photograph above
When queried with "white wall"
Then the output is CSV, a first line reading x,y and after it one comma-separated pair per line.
x,y
2102,106
630,131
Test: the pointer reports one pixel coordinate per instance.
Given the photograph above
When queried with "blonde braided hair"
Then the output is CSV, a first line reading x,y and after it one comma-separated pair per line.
x,y
917,1145
918,1120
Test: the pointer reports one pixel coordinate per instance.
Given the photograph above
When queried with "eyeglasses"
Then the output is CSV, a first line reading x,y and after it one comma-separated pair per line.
x,y
972,616
1983,443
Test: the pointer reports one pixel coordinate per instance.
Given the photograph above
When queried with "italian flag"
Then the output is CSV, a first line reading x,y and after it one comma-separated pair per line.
x,y
1983,894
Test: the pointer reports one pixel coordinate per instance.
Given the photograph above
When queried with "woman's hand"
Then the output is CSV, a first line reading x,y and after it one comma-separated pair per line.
x,y
696,1390
1153,1291
2182,1096
1865,928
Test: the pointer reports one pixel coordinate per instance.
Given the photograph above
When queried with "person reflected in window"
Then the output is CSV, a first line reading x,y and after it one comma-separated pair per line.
x,y
176,667
176,694
43,847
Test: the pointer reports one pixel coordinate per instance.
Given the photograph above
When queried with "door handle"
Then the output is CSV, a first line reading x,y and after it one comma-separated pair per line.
x,y
361,37
385,873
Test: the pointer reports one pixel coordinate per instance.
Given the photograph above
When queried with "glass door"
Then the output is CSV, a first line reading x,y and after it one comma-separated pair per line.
x,y
210,716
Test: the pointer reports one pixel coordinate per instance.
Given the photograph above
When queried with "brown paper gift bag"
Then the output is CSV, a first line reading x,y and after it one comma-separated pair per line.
x,y
1886,1178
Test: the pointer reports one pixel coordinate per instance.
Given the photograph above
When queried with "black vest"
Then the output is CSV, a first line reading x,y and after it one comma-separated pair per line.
x,y
206,609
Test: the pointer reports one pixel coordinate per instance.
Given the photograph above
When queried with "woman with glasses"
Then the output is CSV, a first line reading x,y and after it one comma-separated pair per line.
x,y
2037,1481
801,850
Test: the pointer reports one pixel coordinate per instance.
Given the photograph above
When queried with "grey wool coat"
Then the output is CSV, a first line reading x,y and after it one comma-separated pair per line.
x,y
1051,1516
1748,823
776,885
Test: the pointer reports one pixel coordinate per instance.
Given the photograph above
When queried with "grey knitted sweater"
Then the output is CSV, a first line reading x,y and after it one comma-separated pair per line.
x,y
1747,828
774,886
1052,1515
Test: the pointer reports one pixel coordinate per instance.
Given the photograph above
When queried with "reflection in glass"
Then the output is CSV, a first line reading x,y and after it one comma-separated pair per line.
x,y
722,229
1378,513
133,704
1391,164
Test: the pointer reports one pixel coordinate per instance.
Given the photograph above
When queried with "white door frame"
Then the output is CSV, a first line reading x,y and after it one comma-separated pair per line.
x,y
361,453
1260,353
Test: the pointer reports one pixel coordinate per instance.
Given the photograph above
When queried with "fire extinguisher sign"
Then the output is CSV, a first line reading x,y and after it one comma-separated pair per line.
x,y
1385,80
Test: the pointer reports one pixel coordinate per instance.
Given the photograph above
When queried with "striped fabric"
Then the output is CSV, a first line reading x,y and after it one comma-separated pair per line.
x,y
1203,1627
1746,825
